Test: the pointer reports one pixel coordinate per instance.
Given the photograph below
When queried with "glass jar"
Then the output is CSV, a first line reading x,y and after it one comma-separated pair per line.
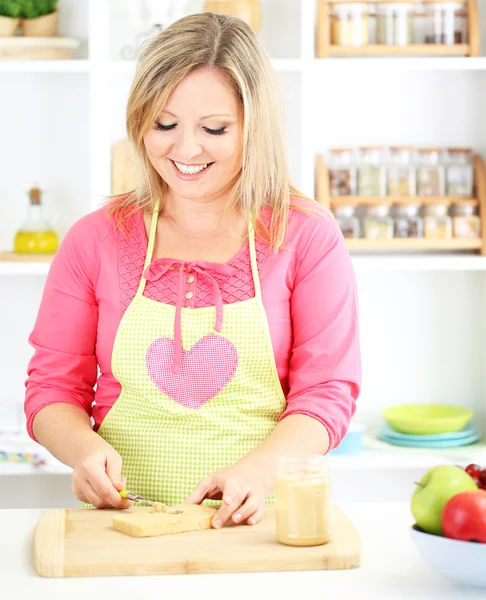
x,y
395,24
401,174
430,172
437,222
445,22
371,172
378,224
342,172
408,223
459,172
347,221
349,24
303,501
466,222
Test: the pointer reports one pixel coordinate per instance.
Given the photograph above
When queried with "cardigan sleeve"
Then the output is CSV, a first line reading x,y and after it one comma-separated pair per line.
x,y
325,364
63,367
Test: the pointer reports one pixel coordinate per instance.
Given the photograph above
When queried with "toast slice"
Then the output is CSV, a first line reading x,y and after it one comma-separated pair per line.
x,y
139,522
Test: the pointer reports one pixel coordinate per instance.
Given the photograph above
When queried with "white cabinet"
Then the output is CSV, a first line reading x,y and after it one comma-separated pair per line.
x,y
422,318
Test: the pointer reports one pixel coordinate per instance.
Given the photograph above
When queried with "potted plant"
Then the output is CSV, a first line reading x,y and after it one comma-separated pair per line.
x,y
40,18
10,11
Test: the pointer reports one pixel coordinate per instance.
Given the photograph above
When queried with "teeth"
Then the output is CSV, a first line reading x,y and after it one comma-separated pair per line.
x,y
190,169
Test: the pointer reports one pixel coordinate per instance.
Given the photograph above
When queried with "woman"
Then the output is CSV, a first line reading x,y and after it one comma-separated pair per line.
x,y
217,304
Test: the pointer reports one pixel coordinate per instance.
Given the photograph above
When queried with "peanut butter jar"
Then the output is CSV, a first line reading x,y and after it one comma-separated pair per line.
x,y
303,501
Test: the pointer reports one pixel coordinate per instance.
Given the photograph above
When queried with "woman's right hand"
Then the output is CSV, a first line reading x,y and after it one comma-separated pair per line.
x,y
97,478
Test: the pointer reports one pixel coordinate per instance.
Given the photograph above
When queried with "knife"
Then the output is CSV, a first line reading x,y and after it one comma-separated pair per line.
x,y
158,506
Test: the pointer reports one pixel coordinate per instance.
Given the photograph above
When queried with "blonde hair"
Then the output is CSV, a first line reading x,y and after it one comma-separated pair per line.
x,y
230,45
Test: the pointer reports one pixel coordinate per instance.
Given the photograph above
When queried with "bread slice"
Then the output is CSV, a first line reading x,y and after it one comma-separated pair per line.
x,y
143,522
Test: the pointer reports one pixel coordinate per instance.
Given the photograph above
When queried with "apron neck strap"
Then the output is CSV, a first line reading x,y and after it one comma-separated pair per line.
x,y
150,247
253,258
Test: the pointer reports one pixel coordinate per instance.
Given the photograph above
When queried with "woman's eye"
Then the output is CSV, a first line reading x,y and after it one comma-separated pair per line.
x,y
162,127
215,131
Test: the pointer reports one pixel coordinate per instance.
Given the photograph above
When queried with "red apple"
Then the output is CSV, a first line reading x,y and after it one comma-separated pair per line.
x,y
464,517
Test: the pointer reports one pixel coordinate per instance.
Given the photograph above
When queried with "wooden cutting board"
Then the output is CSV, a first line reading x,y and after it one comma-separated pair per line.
x,y
82,543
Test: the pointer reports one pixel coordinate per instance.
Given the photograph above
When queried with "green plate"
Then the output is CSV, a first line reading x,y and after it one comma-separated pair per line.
x,y
427,418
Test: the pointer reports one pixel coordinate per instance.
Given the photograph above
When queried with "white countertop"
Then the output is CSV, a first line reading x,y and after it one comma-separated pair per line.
x,y
391,569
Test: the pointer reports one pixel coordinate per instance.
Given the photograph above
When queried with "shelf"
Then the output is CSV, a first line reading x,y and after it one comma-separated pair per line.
x,y
389,200
426,50
413,244
398,63
44,66
16,264
420,262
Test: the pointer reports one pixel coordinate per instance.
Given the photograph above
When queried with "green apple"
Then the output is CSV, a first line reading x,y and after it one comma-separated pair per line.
x,y
433,491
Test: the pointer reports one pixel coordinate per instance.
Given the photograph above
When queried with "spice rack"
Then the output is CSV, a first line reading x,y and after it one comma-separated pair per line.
x,y
357,31
477,245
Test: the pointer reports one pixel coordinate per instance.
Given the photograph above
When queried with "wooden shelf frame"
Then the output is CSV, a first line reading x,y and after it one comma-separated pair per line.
x,y
325,49
324,198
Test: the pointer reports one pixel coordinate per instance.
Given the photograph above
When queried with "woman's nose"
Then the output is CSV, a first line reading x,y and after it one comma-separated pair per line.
x,y
187,146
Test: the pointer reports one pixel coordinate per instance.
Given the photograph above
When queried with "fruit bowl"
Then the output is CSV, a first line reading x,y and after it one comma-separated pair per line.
x,y
461,562
427,418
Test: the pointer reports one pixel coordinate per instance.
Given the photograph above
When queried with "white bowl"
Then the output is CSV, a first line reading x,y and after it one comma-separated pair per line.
x,y
461,562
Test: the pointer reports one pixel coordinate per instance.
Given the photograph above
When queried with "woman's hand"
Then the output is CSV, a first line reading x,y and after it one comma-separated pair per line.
x,y
242,488
97,478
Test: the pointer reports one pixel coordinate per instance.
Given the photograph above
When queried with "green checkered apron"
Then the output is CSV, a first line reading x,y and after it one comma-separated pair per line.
x,y
199,388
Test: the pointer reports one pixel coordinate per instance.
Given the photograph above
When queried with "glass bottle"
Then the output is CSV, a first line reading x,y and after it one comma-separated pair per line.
x,y
445,22
342,172
395,24
401,174
347,221
378,225
36,236
408,223
459,172
437,222
349,24
466,222
430,172
371,172
303,501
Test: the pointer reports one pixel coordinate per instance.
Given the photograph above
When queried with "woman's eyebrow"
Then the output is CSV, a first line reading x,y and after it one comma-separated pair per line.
x,y
167,112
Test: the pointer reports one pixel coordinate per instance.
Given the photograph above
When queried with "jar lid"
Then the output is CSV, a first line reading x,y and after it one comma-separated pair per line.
x,y
451,2
365,148
393,148
459,150
339,150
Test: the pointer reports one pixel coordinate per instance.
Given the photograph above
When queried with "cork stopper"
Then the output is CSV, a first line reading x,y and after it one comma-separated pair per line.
x,y
35,195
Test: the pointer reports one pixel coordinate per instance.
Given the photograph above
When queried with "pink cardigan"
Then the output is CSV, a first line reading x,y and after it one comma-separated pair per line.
x,y
309,294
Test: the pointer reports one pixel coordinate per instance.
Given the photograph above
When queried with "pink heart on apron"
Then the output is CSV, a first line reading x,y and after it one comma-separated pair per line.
x,y
205,370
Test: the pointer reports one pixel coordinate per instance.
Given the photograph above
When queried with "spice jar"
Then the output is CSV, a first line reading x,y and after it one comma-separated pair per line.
x,y
378,224
430,172
401,174
347,220
371,172
349,24
407,222
445,22
466,222
303,501
437,222
395,24
459,172
342,172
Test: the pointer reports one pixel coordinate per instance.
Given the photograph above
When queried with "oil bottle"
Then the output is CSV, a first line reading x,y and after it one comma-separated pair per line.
x,y
36,236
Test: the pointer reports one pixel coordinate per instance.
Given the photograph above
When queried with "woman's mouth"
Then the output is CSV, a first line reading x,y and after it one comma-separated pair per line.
x,y
190,172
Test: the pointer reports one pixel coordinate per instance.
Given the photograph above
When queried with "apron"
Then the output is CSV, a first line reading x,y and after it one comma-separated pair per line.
x,y
199,386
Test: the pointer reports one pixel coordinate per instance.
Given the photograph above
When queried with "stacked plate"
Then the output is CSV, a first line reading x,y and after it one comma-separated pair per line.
x,y
428,426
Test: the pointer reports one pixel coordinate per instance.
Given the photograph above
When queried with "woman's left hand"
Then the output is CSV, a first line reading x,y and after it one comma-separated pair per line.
x,y
242,488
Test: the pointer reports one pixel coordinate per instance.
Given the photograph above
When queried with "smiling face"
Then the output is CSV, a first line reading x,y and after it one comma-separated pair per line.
x,y
197,142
